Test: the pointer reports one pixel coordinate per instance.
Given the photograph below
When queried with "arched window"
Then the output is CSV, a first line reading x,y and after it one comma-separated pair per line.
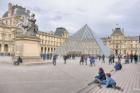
x,y
48,49
41,50
6,48
45,49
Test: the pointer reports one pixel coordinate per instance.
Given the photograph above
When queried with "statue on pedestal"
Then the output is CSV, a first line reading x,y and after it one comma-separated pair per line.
x,y
28,26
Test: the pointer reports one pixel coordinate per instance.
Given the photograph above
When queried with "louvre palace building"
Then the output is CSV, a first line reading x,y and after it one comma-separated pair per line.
x,y
49,41
121,44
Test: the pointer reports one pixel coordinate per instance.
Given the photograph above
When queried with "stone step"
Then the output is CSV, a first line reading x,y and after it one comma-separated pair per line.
x,y
136,90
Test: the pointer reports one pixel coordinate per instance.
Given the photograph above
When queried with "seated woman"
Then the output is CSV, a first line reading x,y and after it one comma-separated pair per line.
x,y
99,78
118,66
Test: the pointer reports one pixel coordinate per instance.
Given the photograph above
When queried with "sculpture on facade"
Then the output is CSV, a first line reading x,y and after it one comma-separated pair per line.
x,y
28,25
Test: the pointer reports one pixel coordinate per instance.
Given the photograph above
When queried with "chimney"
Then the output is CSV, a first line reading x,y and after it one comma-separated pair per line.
x,y
10,9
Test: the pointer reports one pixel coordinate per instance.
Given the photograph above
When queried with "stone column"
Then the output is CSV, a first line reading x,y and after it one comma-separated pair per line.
x,y
2,48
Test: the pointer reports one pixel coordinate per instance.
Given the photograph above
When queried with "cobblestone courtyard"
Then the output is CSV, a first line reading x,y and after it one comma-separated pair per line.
x,y
62,78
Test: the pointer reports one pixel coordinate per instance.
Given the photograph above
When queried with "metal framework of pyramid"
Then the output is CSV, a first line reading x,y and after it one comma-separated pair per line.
x,y
84,42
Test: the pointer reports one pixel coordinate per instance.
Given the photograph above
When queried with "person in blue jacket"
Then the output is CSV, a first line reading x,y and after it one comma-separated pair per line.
x,y
118,66
110,82
92,60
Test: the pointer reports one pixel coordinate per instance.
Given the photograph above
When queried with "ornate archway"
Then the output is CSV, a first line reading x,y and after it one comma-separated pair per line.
x,y
6,48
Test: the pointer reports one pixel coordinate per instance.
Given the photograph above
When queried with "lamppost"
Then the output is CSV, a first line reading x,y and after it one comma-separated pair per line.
x,y
139,49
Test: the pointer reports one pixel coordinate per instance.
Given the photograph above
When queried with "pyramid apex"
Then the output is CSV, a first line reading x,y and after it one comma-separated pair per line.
x,y
85,25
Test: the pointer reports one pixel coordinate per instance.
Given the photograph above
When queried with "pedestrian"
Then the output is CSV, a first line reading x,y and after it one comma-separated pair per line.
x,y
119,57
85,59
99,57
113,58
44,57
82,60
54,59
136,58
103,58
110,59
131,57
126,59
92,61
65,59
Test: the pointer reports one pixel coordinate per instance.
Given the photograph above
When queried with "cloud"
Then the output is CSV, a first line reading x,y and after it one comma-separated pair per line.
x,y
100,15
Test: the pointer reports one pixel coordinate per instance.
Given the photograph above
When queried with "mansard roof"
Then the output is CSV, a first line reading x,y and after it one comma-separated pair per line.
x,y
60,31
18,11
117,31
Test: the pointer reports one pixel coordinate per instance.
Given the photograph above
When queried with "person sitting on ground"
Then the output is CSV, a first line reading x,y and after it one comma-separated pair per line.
x,y
100,77
110,82
118,66
19,59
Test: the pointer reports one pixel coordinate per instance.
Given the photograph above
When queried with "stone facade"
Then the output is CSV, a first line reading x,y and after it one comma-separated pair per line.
x,y
121,44
8,32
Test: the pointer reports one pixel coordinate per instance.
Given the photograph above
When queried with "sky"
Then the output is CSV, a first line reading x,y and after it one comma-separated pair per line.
x,y
101,15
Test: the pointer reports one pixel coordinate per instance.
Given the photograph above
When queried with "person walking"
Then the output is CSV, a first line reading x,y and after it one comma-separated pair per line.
x,y
92,61
65,59
85,59
131,57
54,59
110,59
82,60
113,58
119,58
99,57
136,58
126,59
103,58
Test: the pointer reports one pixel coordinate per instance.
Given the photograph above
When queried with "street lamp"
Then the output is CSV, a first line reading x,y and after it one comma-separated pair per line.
x,y
139,49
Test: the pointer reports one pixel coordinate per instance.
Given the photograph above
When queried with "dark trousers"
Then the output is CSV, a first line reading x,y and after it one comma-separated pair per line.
x,y
131,60
54,62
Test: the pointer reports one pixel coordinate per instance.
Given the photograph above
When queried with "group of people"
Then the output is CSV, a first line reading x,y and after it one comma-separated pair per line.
x,y
131,58
105,79
84,59
101,57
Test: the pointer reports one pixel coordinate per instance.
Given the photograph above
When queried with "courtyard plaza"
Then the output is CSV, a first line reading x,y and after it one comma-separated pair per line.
x,y
65,78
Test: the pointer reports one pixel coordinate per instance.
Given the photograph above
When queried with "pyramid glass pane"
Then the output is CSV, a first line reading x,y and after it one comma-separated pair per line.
x,y
84,42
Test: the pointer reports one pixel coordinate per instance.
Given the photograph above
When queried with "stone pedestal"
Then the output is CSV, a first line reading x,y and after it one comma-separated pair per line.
x,y
28,48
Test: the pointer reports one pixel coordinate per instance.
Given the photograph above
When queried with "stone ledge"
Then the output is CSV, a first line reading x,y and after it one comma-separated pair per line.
x,y
136,90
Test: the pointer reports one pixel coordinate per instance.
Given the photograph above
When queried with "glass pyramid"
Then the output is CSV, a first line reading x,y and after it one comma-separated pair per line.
x,y
83,42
